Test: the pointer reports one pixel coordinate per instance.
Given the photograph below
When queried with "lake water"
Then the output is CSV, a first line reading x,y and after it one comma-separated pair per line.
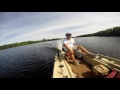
x,y
37,60
109,46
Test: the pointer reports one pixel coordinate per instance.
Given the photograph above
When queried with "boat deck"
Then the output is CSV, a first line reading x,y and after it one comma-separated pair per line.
x,y
84,70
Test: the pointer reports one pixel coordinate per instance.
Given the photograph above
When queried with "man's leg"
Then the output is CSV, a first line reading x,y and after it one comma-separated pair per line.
x,y
71,55
83,49
73,58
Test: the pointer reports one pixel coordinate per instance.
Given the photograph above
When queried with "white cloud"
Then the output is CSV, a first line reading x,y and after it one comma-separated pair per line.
x,y
17,27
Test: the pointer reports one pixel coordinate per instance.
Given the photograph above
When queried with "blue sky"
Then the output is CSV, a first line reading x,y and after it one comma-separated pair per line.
x,y
24,26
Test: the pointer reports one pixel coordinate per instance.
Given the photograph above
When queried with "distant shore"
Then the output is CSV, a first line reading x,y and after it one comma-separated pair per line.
x,y
25,43
115,31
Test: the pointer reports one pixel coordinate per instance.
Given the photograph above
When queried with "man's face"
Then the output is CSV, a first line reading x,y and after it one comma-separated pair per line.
x,y
68,36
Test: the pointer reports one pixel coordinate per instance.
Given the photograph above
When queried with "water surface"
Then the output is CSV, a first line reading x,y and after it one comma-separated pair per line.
x,y
37,60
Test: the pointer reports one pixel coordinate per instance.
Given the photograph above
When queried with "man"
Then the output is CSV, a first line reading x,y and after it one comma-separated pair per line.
x,y
68,46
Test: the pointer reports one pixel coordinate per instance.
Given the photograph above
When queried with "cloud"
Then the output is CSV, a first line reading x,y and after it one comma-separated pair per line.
x,y
23,26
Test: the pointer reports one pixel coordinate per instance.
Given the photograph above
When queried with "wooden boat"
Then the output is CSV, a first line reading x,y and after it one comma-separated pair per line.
x,y
64,67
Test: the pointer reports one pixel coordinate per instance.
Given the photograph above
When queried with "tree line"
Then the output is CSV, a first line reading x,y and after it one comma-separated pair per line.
x,y
115,31
25,43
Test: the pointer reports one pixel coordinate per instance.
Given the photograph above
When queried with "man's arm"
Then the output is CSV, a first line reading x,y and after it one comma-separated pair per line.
x,y
69,49
66,46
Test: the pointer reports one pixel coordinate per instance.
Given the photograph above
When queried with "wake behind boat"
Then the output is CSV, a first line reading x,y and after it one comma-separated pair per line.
x,y
98,66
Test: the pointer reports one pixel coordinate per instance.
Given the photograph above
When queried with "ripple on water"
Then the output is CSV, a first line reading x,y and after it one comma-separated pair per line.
x,y
37,60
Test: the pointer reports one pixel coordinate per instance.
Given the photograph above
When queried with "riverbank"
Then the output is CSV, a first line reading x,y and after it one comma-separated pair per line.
x,y
25,43
115,31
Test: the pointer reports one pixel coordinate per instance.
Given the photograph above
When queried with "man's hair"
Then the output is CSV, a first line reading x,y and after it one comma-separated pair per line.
x,y
68,34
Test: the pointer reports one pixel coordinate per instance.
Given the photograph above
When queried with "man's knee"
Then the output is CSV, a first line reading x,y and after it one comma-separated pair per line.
x,y
79,47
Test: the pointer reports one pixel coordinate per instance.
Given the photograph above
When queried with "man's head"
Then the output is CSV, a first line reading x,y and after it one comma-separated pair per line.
x,y
68,35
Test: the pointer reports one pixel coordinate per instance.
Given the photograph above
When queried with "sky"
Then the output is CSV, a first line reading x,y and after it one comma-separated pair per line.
x,y
25,26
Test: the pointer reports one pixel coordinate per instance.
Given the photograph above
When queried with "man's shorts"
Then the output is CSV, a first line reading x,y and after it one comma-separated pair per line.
x,y
74,48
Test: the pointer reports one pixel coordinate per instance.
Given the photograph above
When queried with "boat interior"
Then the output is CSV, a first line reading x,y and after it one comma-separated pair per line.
x,y
84,70
99,66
